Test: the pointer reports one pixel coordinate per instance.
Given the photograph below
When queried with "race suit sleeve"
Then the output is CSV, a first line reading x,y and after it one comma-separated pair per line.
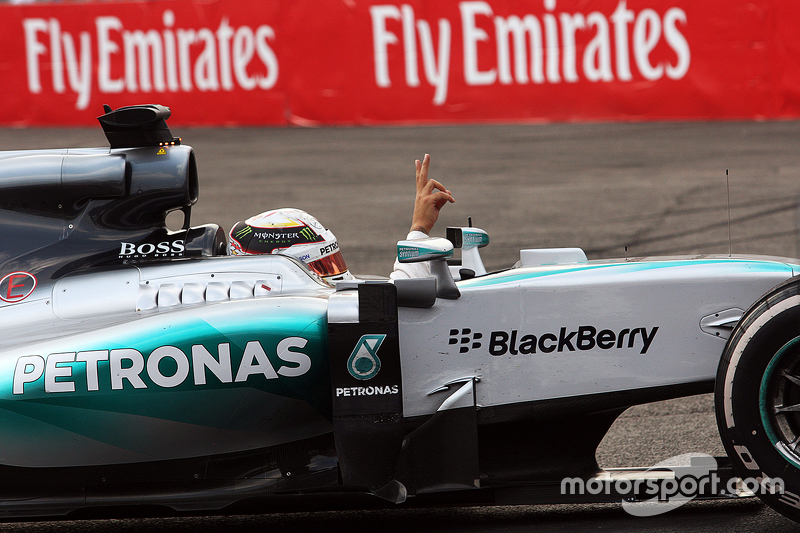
x,y
411,270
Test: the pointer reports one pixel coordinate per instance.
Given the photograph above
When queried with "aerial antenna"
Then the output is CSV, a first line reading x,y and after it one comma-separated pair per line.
x,y
728,186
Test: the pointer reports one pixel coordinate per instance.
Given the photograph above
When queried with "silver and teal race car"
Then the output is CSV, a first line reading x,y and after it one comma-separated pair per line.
x,y
141,365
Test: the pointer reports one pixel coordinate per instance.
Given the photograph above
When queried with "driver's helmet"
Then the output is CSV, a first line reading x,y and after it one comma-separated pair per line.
x,y
291,232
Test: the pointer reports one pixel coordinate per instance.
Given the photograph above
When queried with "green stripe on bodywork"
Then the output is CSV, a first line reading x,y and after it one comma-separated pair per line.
x,y
514,276
267,324
134,423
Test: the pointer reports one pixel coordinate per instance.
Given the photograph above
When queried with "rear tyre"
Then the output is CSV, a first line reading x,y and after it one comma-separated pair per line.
x,y
757,398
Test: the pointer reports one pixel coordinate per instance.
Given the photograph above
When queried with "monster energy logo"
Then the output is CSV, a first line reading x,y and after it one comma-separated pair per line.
x,y
276,236
308,234
364,362
242,232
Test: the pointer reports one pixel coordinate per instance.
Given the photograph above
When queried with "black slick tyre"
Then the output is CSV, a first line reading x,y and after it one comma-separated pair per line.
x,y
757,398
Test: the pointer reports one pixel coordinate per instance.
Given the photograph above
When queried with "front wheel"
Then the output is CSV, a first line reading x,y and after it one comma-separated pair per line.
x,y
757,398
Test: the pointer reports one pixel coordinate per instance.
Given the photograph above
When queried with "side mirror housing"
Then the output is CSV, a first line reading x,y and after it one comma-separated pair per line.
x,y
437,251
469,240
430,249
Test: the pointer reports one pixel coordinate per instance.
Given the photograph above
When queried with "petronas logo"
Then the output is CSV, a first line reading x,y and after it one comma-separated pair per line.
x,y
364,362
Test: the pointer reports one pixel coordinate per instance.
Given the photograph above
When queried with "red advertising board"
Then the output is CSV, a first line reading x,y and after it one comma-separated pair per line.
x,y
250,62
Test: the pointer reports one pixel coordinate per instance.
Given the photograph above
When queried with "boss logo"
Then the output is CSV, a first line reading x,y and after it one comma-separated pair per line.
x,y
149,250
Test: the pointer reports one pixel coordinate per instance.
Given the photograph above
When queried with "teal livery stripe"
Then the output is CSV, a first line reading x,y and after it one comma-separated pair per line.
x,y
279,347
518,275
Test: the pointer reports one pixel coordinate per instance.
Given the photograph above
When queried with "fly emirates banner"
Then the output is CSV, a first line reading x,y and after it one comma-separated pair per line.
x,y
250,62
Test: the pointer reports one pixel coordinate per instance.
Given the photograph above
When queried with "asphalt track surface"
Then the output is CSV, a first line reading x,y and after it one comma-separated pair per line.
x,y
612,189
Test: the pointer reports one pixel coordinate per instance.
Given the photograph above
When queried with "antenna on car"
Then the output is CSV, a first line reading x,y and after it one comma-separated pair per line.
x,y
728,186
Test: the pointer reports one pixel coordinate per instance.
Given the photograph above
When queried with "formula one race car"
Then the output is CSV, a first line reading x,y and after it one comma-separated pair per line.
x,y
140,365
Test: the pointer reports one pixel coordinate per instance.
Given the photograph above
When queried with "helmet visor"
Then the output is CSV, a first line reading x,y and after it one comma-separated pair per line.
x,y
330,265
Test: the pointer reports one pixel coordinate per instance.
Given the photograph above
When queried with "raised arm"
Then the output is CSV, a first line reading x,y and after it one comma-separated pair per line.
x,y
431,197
